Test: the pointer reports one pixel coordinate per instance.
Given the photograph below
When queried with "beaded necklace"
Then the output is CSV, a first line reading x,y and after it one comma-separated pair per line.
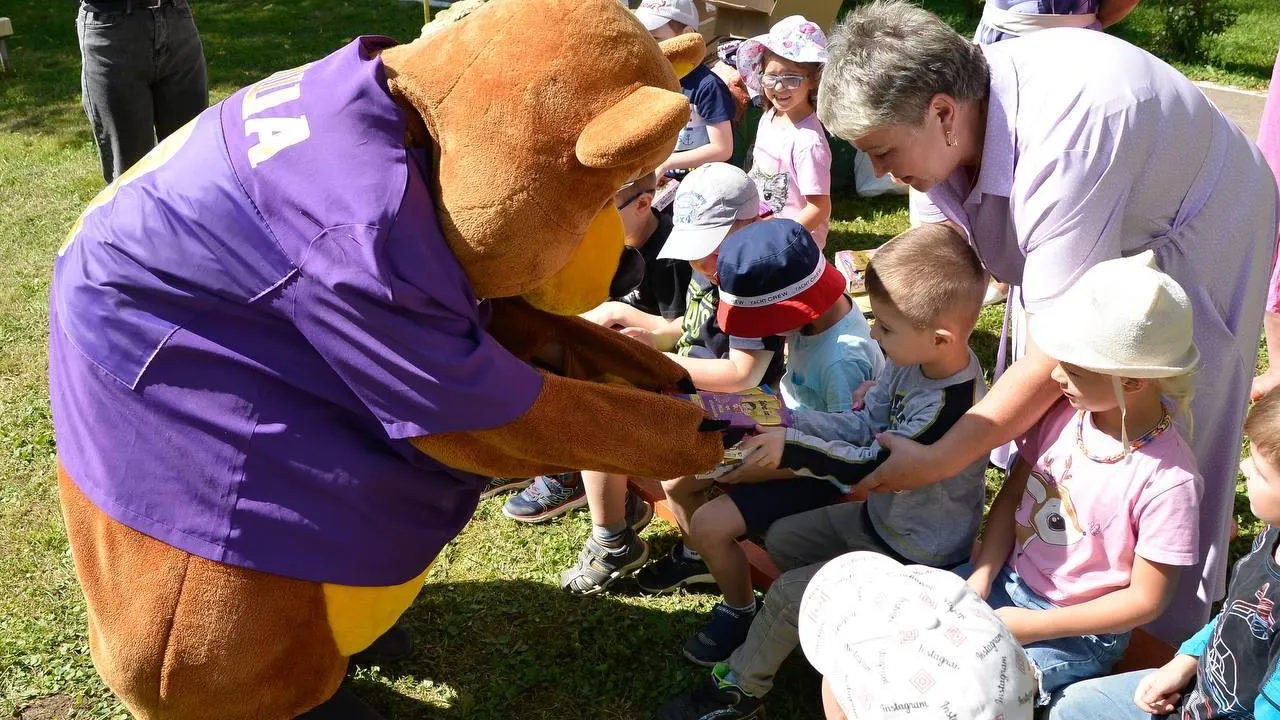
x,y
1152,434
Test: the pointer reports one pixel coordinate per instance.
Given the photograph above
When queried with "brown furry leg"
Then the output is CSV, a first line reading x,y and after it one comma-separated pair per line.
x,y
178,637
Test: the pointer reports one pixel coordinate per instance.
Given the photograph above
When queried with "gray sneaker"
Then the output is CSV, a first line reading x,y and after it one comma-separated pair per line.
x,y
600,565
547,497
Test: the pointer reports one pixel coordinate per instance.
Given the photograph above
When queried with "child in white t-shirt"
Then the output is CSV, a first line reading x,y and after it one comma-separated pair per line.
x,y
1089,533
791,163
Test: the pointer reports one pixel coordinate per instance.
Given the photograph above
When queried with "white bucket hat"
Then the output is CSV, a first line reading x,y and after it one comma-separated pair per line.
x,y
653,14
793,37
911,643
1124,318
710,199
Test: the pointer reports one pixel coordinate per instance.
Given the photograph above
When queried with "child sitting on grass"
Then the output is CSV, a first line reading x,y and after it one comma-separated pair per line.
x,y
1228,669
896,642
773,281
1087,537
926,289
791,162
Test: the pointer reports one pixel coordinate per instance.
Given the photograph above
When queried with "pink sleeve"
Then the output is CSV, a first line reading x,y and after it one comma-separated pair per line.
x,y
1273,292
811,158
1167,516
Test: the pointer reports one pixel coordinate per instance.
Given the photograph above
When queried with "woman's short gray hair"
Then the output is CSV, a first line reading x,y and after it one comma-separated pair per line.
x,y
887,59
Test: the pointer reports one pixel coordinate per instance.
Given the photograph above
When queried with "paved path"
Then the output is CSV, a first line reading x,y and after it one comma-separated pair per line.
x,y
1243,106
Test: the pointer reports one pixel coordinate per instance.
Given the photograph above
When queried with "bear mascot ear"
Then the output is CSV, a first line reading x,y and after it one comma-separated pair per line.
x,y
684,52
644,121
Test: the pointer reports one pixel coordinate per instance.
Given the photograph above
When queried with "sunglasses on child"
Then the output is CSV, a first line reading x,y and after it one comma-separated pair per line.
x,y
781,82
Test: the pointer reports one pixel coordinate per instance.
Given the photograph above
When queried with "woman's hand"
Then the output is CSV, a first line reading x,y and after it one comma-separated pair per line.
x,y
1263,384
909,465
1158,692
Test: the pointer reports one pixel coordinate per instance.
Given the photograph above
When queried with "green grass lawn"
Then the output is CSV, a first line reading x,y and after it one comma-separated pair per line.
x,y
496,637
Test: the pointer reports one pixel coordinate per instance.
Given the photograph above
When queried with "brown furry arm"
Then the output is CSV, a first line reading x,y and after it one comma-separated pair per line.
x,y
577,425
576,348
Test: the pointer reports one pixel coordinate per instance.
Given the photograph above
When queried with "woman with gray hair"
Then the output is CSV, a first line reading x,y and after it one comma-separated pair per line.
x,y
1052,154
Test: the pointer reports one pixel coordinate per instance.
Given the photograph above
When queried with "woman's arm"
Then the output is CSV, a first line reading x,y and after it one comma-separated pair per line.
x,y
998,538
1150,589
741,370
1022,394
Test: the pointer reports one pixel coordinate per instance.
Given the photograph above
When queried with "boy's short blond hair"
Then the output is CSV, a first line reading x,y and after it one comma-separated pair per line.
x,y
1263,426
929,273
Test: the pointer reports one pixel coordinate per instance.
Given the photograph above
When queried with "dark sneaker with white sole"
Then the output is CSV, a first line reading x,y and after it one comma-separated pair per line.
x,y
497,486
714,699
600,565
672,572
547,497
717,640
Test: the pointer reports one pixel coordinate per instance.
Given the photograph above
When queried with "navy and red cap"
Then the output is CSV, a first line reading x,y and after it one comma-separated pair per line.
x,y
773,280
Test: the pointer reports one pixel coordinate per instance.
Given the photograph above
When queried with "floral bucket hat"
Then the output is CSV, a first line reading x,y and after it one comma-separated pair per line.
x,y
794,38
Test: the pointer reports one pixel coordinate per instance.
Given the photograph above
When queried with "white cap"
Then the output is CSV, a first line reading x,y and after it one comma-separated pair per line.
x,y
709,200
653,14
911,642
1122,317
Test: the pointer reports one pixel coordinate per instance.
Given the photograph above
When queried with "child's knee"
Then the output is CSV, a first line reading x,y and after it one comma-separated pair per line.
x,y
684,487
718,521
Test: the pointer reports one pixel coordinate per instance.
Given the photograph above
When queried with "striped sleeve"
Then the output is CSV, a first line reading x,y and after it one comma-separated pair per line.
x,y
821,452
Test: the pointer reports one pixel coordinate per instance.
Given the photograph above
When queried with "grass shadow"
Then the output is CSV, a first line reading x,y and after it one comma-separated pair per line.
x,y
523,649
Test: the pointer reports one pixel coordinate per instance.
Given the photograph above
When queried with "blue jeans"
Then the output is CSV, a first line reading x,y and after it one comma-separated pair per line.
x,y
1105,697
1058,662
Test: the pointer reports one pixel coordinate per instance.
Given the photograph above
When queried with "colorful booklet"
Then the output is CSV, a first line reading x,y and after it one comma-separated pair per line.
x,y
744,410
852,264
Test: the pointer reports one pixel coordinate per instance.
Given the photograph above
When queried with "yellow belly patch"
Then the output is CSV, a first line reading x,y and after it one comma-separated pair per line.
x,y
360,615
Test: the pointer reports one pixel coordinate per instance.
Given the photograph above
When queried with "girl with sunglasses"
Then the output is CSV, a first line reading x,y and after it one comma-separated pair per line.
x,y
791,164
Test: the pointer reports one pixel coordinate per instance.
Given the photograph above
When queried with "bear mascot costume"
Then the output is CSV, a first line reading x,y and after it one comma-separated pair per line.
x,y
289,347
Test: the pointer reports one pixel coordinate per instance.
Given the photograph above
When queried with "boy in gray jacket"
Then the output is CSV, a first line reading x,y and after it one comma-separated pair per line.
x,y
926,288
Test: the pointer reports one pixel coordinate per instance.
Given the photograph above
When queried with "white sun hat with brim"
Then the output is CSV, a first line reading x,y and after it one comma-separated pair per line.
x,y
709,200
911,642
653,14
793,37
1124,318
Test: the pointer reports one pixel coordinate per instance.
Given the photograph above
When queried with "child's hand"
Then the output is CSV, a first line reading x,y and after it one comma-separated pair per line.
x,y
980,582
1158,691
761,452
602,316
860,393
1021,622
640,334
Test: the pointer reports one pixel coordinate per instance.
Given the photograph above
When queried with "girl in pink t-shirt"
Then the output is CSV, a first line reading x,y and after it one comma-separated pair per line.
x,y
792,160
1088,535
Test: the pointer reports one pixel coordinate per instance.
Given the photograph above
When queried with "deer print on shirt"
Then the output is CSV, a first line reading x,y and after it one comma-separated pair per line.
x,y
1046,514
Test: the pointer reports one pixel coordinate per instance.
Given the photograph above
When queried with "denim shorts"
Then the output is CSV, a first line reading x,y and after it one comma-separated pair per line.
x,y
1058,662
